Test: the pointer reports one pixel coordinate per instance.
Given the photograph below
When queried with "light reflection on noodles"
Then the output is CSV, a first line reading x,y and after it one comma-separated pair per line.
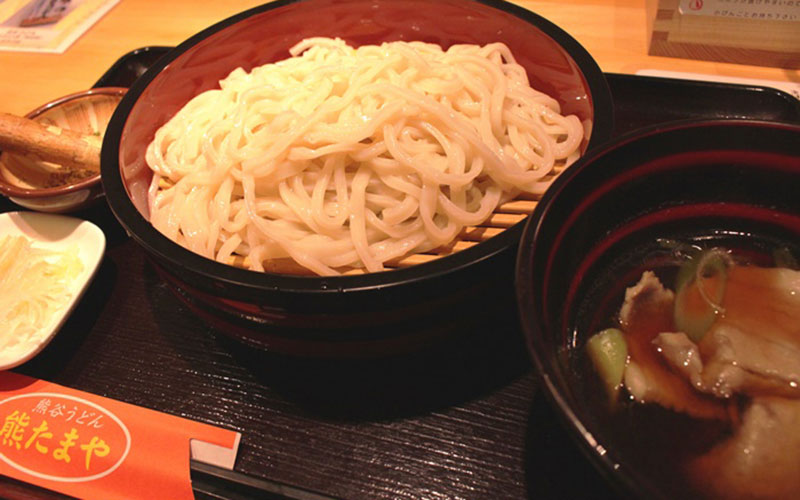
x,y
342,157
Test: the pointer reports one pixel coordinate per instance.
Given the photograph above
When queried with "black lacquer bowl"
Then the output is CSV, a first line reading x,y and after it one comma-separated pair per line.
x,y
720,183
352,315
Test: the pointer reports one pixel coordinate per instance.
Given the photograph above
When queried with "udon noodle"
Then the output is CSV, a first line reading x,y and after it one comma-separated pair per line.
x,y
342,157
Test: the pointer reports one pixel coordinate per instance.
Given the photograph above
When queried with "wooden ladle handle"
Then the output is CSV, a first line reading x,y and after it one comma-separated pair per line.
x,y
48,143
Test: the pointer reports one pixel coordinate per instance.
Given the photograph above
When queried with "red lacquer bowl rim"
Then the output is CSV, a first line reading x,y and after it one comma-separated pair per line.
x,y
248,282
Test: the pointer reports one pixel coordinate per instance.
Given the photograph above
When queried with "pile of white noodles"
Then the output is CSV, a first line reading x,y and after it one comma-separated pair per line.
x,y
343,157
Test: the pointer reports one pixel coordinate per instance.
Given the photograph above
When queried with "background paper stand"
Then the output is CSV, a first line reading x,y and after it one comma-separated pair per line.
x,y
756,32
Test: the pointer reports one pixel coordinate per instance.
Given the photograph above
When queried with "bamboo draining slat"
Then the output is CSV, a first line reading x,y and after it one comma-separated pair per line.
x,y
504,220
518,206
505,216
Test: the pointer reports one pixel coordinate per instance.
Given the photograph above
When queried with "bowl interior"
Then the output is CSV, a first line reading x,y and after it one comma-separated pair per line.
x,y
730,184
555,62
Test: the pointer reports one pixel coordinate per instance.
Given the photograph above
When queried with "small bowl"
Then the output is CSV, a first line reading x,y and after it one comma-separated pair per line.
x,y
362,315
89,110
720,182
55,233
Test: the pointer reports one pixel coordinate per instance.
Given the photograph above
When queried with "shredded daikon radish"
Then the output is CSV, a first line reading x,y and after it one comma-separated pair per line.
x,y
34,286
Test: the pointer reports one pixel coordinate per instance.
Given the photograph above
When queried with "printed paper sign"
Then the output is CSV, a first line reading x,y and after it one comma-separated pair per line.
x,y
765,10
92,447
47,25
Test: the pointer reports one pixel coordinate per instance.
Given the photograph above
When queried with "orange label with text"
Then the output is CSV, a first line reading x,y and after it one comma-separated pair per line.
x,y
88,446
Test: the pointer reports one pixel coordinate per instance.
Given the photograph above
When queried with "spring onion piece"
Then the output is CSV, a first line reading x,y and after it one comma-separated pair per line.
x,y
700,288
609,354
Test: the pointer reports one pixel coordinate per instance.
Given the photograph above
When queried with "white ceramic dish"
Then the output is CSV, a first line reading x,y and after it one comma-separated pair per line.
x,y
58,233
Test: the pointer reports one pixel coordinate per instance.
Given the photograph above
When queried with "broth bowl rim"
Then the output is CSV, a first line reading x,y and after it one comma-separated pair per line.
x,y
607,463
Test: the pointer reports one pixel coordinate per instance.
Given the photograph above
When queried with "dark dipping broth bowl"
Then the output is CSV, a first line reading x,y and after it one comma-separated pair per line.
x,y
733,184
364,315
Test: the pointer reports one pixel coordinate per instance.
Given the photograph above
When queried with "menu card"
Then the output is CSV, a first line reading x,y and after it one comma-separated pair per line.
x,y
47,25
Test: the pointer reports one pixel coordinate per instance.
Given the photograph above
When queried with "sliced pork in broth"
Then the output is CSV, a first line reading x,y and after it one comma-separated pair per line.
x,y
732,355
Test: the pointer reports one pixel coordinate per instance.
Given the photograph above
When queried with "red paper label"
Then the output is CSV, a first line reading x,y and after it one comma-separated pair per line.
x,y
61,438
93,447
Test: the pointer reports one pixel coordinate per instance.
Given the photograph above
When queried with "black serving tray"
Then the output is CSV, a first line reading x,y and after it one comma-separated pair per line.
x,y
641,101
462,421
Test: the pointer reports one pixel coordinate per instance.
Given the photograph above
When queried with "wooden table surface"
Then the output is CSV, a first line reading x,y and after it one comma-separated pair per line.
x,y
468,424
614,31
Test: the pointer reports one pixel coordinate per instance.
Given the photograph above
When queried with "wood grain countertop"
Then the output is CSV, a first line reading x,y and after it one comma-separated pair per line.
x,y
615,32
